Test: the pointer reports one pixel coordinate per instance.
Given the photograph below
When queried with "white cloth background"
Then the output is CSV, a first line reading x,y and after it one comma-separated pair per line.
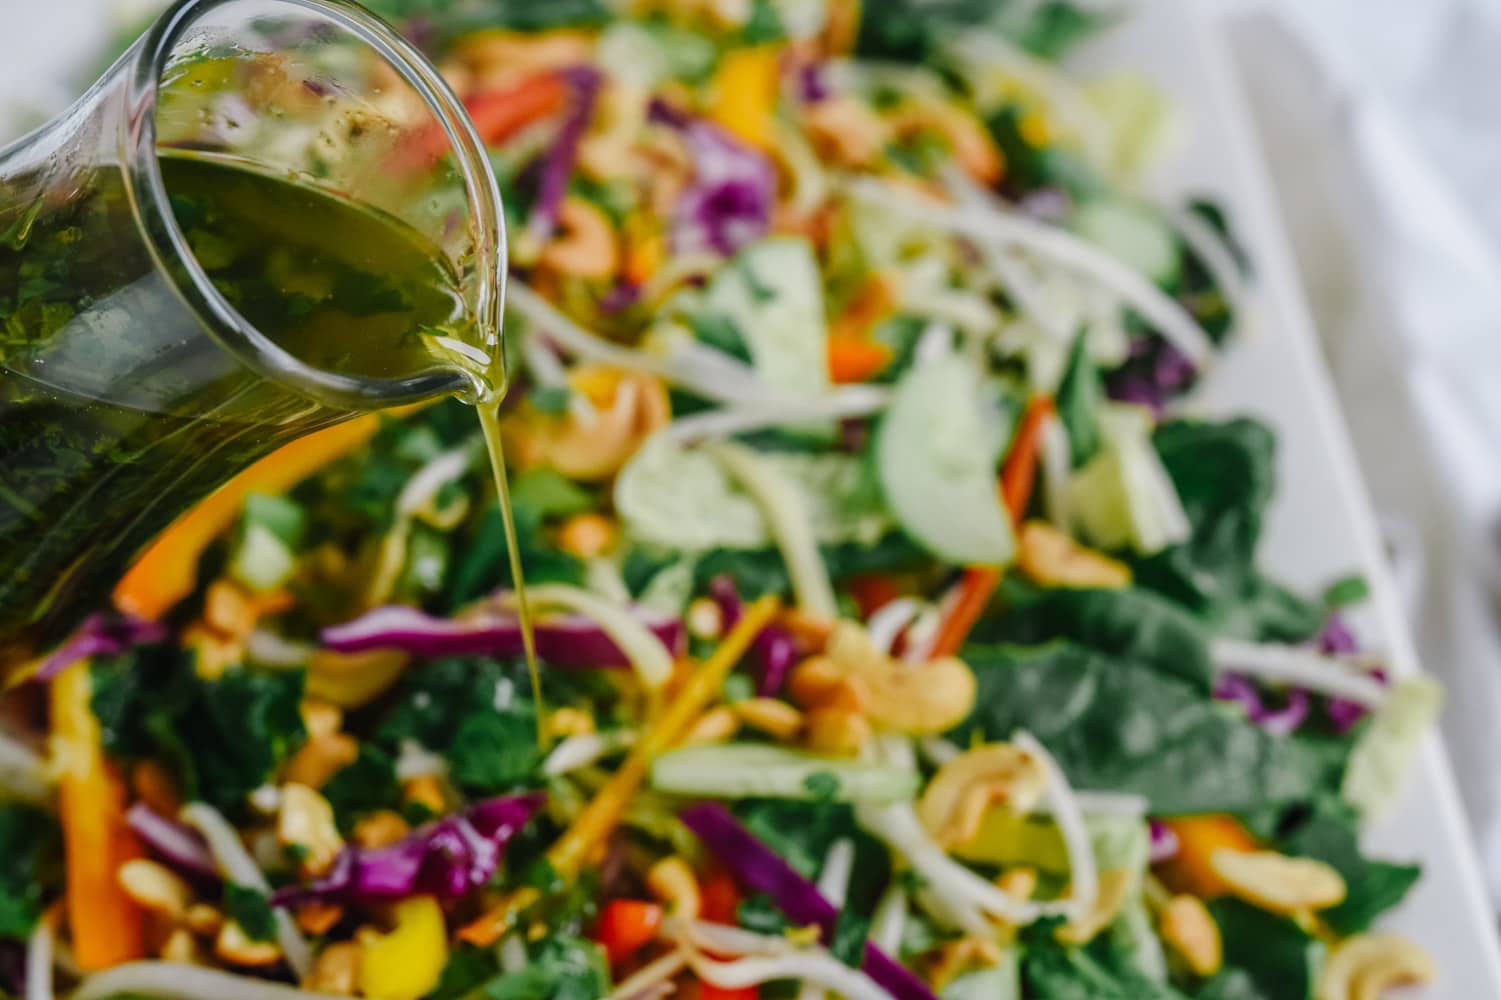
x,y
1382,126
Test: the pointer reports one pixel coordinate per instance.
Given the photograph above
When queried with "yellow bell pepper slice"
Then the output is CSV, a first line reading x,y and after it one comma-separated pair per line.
x,y
406,963
745,94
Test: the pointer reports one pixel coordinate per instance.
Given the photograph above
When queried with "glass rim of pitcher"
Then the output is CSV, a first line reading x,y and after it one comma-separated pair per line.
x,y
169,247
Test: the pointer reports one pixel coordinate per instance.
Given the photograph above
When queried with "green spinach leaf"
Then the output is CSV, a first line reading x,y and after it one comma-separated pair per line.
x,y
1276,955
1135,624
1225,475
251,910
1330,834
1122,726
494,751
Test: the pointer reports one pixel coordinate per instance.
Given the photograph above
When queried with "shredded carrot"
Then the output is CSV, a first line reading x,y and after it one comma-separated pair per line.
x,y
573,849
1018,474
1190,870
168,570
107,927
497,115
856,359
872,302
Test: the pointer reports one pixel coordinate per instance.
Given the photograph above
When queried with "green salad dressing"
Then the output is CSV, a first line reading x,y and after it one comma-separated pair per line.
x,y
117,412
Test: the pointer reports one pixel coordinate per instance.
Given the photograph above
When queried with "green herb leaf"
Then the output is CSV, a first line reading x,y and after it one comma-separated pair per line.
x,y
1346,591
492,752
1080,395
251,910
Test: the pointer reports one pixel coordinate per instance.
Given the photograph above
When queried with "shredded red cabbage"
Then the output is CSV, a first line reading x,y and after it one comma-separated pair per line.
x,y
566,641
1156,373
734,192
1283,720
1336,639
446,859
1164,843
557,166
100,635
179,846
761,869
773,648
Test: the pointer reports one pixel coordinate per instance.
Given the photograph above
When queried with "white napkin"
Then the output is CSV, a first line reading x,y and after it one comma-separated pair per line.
x,y
1383,134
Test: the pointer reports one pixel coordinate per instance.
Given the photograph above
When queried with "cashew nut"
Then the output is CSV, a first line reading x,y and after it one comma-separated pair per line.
x,y
236,947
306,821
320,758
717,725
838,731
203,919
958,957
919,699
1053,559
1365,966
966,788
1190,932
586,246
972,146
630,406
846,131
1278,883
180,948
336,970
771,716
1115,886
587,535
380,829
154,887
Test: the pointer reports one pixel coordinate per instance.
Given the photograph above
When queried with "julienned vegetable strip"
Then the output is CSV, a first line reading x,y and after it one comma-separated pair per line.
x,y
1018,474
572,850
168,570
106,927
763,870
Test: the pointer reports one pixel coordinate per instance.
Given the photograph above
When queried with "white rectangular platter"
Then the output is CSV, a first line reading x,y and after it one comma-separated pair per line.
x,y
1322,525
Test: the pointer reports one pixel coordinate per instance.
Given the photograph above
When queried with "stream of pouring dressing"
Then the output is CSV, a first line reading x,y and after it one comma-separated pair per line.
x,y
489,421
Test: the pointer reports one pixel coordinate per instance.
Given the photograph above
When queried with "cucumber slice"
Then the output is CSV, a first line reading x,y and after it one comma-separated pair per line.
x,y
773,291
1135,234
936,458
759,770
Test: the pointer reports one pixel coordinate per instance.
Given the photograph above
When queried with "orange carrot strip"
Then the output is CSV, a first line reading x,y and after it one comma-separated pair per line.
x,y
855,359
1018,473
168,570
589,829
107,927
1190,870
497,115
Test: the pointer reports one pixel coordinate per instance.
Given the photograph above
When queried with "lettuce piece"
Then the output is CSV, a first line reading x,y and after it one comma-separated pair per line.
x,y
683,499
1123,497
1142,120
1385,750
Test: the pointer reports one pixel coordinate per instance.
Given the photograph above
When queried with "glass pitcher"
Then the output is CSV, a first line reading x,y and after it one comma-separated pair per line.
x,y
221,247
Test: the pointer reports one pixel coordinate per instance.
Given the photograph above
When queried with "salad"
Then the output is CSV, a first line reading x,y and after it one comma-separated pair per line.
x,y
902,629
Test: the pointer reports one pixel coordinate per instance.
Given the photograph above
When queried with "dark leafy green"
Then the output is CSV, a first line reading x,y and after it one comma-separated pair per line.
x,y
223,738
912,30
1230,984
1053,972
1225,474
763,571
565,968
1131,623
494,751
468,968
1330,834
1277,956
1119,725
251,910
30,845
453,17
367,785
